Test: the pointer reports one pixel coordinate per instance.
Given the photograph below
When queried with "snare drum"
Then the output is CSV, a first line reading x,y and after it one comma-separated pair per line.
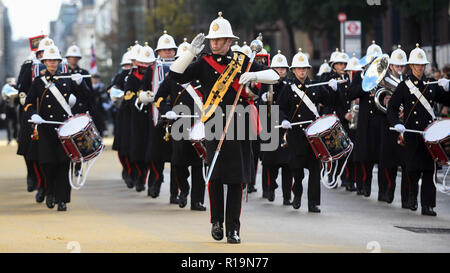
x,y
328,138
437,140
80,138
197,138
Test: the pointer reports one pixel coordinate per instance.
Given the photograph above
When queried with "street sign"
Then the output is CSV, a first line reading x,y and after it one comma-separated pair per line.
x,y
353,28
342,17
352,37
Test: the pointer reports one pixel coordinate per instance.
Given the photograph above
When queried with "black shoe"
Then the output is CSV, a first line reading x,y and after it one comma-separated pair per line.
x,y
350,187
271,196
233,237
405,205
251,188
124,174
77,173
314,209
359,192
413,204
198,207
62,206
426,210
140,184
389,198
40,195
265,194
155,189
366,193
217,231
174,200
50,201
287,202
30,184
382,198
129,182
297,202
182,200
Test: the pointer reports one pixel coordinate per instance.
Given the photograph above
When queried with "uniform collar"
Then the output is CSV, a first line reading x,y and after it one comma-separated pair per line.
x,y
223,59
301,85
417,81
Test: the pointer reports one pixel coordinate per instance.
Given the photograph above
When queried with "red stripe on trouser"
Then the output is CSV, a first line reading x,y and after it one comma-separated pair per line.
x,y
409,182
44,176
387,176
363,167
138,169
128,165
268,178
347,172
37,174
156,172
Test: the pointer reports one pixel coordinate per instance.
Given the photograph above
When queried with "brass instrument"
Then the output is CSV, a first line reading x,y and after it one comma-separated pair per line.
x,y
354,110
388,84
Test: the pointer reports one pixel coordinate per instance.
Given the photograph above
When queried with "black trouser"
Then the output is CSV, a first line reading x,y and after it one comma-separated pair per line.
x,y
233,205
313,165
286,179
264,180
57,178
141,171
349,174
366,178
390,175
197,182
30,169
427,190
157,176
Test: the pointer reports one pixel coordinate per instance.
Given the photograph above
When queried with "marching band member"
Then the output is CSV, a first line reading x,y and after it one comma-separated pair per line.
x,y
272,161
50,99
298,103
234,165
418,99
367,142
183,153
393,155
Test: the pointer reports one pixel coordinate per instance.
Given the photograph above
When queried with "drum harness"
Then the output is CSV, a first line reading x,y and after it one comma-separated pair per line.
x,y
325,172
59,97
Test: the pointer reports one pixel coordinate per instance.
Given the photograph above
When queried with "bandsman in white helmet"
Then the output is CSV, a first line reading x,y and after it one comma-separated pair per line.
x,y
393,155
366,152
341,108
324,68
182,48
29,70
298,104
235,47
234,164
140,117
54,104
246,49
277,159
161,142
418,100
122,117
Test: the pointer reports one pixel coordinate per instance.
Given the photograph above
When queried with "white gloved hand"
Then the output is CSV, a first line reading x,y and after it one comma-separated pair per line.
x,y
286,125
171,115
247,78
147,97
37,119
77,78
333,84
2,116
197,44
72,100
264,97
22,100
444,83
400,128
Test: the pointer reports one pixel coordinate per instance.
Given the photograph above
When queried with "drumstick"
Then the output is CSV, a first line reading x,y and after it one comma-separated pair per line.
x,y
295,124
182,116
70,76
429,83
48,122
408,130
323,83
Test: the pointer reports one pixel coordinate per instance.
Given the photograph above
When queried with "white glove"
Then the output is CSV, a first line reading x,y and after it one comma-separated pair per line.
x,y
171,115
286,125
2,116
197,44
400,128
37,119
22,101
77,78
333,84
72,100
264,97
247,78
444,84
147,97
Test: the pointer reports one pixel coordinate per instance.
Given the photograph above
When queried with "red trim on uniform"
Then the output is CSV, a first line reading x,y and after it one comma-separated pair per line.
x,y
387,176
128,165
220,68
121,161
36,171
268,178
156,172
138,169
363,167
347,172
44,176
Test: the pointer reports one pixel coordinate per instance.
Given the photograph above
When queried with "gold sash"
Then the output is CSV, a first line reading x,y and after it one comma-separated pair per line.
x,y
221,86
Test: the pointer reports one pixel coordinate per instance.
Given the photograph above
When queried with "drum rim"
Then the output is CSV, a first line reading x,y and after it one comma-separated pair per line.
x,y
429,126
71,118
321,118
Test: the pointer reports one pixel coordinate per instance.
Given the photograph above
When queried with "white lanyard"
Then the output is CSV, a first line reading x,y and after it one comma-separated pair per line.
x,y
414,90
58,96
306,99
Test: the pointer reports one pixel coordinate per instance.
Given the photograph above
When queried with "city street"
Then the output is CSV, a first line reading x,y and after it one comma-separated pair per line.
x,y
105,216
